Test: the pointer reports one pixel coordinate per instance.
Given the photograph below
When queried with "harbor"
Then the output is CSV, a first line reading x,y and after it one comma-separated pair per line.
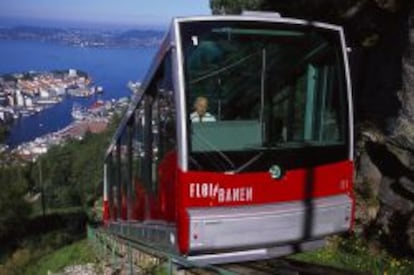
x,y
92,121
28,93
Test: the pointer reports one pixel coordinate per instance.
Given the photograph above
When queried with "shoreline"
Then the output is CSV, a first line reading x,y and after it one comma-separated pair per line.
x,y
28,93
94,122
109,68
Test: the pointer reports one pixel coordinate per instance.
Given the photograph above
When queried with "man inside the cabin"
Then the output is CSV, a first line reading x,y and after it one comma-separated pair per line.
x,y
200,113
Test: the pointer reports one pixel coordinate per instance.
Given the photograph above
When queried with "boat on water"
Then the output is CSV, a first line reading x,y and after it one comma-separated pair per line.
x,y
99,89
79,112
80,92
49,101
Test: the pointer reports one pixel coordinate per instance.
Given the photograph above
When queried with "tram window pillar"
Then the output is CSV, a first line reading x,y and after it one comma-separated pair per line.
x,y
130,180
321,115
110,184
137,143
155,144
147,163
310,102
291,112
118,179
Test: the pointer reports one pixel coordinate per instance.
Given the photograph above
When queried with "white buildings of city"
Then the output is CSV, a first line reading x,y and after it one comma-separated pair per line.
x,y
29,93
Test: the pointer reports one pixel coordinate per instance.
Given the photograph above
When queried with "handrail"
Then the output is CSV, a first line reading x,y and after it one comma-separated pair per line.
x,y
105,242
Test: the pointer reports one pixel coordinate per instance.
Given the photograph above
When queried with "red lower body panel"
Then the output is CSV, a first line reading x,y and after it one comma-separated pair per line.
x,y
210,189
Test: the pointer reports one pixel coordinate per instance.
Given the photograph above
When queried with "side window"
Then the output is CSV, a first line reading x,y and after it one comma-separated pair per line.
x,y
153,129
138,144
162,117
124,168
110,182
148,142
166,110
116,176
120,163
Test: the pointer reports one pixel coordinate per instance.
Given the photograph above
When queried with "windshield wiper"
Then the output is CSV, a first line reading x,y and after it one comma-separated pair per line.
x,y
215,150
248,163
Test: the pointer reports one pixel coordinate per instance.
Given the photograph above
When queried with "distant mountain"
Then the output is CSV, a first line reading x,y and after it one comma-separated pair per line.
x,y
84,37
37,30
140,34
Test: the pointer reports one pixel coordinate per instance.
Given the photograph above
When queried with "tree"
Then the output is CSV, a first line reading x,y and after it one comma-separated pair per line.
x,y
87,169
235,6
3,132
72,173
14,209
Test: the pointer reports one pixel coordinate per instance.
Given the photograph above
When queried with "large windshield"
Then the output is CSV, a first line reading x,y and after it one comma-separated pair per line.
x,y
262,86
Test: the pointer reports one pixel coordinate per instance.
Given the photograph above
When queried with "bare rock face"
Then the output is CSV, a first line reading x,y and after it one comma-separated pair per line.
x,y
367,184
384,188
395,194
385,168
403,134
369,177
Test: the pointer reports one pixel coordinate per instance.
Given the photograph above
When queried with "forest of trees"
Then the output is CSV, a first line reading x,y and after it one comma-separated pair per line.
x,y
68,176
46,204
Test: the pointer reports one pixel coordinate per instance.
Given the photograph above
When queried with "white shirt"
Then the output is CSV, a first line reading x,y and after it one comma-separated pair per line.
x,y
207,117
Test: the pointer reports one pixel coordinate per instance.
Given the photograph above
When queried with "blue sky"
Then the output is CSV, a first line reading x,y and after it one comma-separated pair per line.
x,y
106,12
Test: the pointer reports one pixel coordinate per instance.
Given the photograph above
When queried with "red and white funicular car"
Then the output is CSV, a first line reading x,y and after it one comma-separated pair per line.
x,y
240,144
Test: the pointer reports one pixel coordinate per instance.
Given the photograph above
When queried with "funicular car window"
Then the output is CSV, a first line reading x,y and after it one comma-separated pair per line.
x,y
264,87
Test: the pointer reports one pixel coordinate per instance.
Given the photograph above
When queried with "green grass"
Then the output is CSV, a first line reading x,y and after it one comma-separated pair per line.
x,y
79,252
357,255
32,249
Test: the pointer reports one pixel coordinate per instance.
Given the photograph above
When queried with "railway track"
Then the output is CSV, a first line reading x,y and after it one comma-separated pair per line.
x,y
280,266
284,266
129,257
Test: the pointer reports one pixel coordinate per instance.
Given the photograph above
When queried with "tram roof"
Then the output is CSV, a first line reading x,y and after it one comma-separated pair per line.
x,y
259,17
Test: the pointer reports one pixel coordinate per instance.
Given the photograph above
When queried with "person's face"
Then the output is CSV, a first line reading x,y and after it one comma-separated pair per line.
x,y
201,106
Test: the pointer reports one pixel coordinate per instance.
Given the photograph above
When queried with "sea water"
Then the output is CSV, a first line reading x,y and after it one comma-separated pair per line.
x,y
110,68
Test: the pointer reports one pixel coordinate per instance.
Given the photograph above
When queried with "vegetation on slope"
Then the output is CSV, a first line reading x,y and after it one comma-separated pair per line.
x,y
356,254
77,253
44,205
48,252
3,132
